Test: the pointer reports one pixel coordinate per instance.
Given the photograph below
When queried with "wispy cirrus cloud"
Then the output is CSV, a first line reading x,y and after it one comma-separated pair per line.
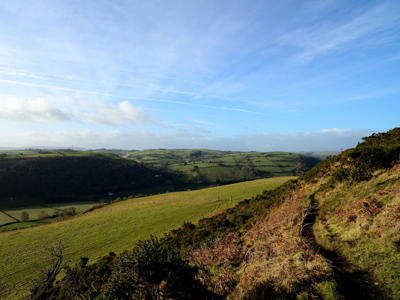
x,y
198,129
324,38
76,80
54,87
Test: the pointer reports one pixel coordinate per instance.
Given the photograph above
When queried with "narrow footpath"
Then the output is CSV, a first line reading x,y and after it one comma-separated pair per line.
x,y
353,282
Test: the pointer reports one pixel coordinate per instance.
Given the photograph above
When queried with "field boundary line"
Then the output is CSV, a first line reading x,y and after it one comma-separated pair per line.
x,y
10,216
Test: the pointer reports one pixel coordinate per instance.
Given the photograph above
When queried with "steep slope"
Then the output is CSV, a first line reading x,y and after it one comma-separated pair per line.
x,y
344,213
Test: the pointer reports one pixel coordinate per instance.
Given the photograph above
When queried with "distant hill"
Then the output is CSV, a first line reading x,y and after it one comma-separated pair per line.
x,y
204,166
320,154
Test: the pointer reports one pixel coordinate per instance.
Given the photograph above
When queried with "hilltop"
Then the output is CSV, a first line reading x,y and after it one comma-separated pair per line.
x,y
331,234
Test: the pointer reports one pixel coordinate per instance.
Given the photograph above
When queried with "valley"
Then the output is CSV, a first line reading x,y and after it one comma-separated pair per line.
x,y
331,233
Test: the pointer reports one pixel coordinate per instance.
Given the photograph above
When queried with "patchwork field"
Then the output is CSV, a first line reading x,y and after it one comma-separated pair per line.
x,y
36,212
205,165
115,227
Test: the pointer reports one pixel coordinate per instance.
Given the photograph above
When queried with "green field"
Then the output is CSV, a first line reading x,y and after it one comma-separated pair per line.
x,y
115,227
203,165
12,215
79,206
52,153
4,219
34,212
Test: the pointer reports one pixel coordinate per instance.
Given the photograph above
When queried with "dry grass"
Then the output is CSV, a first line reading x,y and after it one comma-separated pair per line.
x,y
272,258
361,208
365,228
218,260
277,256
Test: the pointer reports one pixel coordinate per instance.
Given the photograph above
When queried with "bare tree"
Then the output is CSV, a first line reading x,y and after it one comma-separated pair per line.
x,y
43,215
43,285
55,254
24,216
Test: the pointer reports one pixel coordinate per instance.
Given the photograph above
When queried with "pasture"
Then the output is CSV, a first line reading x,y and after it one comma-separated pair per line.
x,y
214,166
115,227
35,213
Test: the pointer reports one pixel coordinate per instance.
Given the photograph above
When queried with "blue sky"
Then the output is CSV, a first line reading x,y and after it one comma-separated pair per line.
x,y
229,75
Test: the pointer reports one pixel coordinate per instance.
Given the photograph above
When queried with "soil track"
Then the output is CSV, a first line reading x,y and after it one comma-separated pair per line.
x,y
353,282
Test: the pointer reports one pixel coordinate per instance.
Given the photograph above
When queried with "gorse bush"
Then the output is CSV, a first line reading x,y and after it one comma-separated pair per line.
x,y
150,271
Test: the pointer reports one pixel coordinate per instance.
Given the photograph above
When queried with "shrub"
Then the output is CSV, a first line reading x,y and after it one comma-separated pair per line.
x,y
152,271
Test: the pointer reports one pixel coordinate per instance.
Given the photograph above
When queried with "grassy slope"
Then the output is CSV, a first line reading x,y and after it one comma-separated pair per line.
x,y
361,222
358,194
114,228
356,197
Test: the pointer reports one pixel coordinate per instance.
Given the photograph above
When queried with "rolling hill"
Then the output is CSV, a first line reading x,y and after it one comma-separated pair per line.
x,y
203,166
333,233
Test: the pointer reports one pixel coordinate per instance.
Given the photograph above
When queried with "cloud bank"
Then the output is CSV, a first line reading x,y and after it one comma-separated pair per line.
x,y
324,140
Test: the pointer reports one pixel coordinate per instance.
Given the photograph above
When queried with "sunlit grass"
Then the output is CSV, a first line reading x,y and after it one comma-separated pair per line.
x,y
115,227
4,219
361,222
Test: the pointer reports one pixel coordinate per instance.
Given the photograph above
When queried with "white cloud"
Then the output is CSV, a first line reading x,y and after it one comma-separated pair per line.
x,y
51,110
20,109
132,113
111,115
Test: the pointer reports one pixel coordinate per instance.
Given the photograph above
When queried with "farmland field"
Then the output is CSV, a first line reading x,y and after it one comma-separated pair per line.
x,y
4,219
33,211
115,227
79,206
203,165
12,215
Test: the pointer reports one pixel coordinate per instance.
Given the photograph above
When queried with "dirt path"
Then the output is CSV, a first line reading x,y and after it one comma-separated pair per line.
x,y
353,283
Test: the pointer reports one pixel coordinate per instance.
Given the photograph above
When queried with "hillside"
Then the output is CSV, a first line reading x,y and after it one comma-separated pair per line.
x,y
332,234
203,166
74,176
